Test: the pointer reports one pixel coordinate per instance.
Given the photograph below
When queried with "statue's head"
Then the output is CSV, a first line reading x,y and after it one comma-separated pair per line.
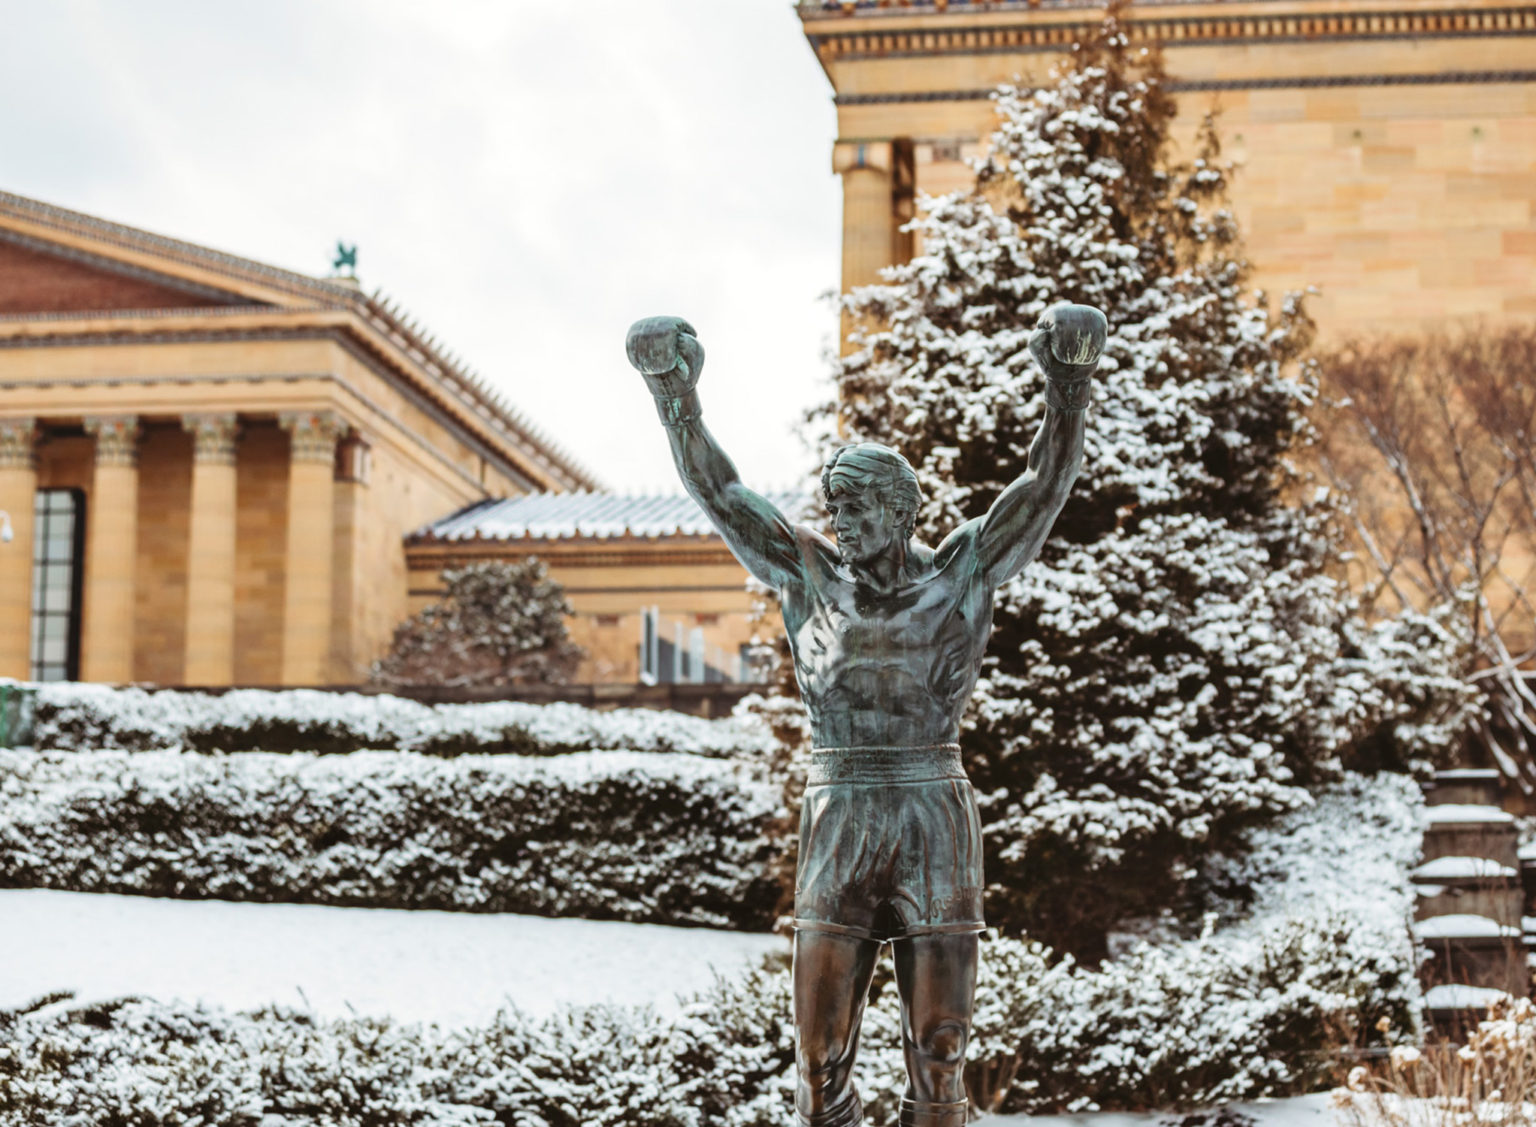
x,y
873,496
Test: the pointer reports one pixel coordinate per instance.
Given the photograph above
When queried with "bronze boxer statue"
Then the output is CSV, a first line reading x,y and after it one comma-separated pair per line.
x,y
887,636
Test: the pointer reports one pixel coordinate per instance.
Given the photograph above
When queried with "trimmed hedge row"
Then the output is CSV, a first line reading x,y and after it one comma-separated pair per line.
x,y
86,717
1193,1025
648,837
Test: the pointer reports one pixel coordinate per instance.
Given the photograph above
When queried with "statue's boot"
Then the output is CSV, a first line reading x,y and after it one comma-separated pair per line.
x,y
921,1113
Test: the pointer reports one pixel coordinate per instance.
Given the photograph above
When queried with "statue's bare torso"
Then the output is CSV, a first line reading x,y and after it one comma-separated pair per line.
x,y
886,668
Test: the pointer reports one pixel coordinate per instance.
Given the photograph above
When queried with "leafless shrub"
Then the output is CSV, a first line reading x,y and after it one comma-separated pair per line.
x,y
1489,1080
1431,443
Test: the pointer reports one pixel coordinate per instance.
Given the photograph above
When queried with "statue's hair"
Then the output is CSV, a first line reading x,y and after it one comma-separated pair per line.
x,y
868,465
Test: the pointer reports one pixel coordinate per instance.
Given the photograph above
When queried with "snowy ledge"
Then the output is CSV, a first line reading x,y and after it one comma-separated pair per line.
x,y
1462,868
1462,926
1452,812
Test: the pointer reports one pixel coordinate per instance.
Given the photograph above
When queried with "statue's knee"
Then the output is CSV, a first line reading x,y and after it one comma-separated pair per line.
x,y
823,1060
943,1044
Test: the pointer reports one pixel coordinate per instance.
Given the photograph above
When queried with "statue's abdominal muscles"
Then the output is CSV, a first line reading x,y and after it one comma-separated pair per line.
x,y
888,669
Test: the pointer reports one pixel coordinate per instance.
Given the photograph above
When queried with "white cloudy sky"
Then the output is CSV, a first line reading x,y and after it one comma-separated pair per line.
x,y
526,176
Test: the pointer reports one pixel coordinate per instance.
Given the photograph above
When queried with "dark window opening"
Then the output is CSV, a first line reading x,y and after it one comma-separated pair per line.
x,y
57,580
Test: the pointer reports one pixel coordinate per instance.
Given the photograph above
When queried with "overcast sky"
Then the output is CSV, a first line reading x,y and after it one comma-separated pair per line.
x,y
527,178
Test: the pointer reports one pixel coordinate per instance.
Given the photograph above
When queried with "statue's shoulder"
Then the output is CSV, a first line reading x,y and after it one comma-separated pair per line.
x,y
959,548
814,547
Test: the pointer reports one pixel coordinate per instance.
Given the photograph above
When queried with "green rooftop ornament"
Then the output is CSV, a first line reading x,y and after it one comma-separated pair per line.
x,y
346,258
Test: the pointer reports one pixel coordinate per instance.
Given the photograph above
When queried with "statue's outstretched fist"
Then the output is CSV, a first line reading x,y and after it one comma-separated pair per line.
x,y
667,352
1069,340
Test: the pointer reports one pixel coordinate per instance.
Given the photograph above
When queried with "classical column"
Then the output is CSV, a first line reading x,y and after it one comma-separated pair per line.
x,y
18,491
111,551
866,169
210,647
348,659
311,545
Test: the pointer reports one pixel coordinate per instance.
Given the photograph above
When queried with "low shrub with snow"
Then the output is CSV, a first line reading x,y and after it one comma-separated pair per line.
x,y
72,716
1314,956
652,837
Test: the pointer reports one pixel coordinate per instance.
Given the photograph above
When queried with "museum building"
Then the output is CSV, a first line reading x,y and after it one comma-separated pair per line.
x,y
1387,148
209,466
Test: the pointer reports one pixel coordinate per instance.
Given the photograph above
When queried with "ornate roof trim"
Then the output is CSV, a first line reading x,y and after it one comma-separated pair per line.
x,y
861,41
1301,82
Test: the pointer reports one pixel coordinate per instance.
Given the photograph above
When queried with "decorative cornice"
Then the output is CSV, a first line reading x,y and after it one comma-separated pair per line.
x,y
1300,82
121,269
368,358
117,439
214,437
376,409
313,434
190,254
18,444
532,447
1191,31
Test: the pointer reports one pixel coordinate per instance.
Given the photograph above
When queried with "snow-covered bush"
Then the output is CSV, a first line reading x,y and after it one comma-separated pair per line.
x,y
652,837
1312,954
1181,661
72,716
1306,947
498,622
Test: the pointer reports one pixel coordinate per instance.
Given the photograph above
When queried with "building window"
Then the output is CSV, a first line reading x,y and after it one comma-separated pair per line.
x,y
58,547
650,657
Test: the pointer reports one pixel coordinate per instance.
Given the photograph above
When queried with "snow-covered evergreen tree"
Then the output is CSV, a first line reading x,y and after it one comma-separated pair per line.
x,y
497,624
1179,661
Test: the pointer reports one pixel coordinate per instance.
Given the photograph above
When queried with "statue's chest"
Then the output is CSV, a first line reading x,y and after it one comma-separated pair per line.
x,y
854,623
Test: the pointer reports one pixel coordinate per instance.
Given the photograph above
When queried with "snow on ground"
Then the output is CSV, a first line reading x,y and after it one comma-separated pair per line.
x,y
453,968
1315,1110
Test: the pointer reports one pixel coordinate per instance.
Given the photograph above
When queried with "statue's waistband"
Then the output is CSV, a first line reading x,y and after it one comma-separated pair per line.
x,y
884,764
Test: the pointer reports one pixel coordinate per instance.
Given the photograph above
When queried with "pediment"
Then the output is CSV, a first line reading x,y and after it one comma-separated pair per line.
x,y
37,276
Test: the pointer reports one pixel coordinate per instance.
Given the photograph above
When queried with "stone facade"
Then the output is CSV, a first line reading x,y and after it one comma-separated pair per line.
x,y
251,447
1387,147
622,560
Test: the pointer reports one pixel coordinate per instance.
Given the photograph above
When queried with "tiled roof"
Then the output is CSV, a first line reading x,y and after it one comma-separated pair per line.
x,y
563,516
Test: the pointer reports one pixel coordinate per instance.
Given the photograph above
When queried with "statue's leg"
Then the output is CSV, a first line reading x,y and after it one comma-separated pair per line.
x,y
832,975
936,976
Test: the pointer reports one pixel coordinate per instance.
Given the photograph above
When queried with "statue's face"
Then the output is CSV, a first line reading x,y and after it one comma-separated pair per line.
x,y
866,527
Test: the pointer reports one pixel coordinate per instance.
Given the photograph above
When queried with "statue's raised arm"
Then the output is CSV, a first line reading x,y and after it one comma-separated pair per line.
x,y
667,352
1067,345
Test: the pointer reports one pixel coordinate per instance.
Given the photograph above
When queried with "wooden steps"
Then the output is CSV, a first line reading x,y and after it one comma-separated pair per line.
x,y
1472,900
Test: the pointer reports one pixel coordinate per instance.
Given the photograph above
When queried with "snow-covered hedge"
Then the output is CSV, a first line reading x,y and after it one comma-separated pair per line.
x,y
72,716
1318,951
652,837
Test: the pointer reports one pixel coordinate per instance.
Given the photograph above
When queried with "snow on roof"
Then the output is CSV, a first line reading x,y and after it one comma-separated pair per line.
x,y
1464,812
561,516
1462,868
1454,996
1462,926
